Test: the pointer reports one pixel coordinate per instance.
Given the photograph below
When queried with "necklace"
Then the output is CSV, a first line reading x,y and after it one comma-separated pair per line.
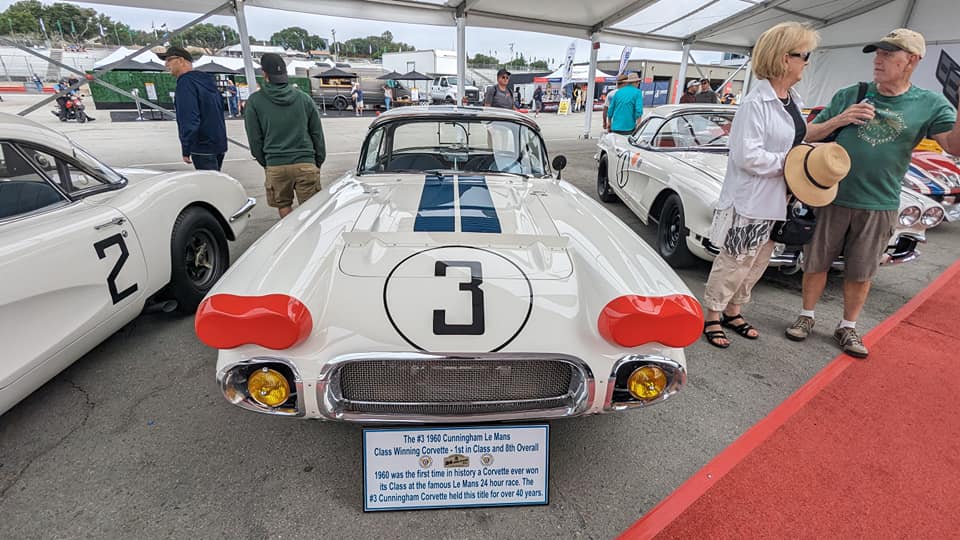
x,y
787,100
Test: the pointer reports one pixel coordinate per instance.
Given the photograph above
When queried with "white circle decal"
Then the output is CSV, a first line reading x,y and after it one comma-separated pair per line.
x,y
457,299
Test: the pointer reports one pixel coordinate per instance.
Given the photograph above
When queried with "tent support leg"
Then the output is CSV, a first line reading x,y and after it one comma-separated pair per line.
x,y
591,86
245,46
682,76
461,58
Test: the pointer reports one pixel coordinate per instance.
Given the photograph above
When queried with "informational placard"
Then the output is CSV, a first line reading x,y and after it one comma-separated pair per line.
x,y
564,107
452,467
151,91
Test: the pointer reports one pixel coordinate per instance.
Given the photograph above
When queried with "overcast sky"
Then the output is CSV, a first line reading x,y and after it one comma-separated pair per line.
x,y
264,22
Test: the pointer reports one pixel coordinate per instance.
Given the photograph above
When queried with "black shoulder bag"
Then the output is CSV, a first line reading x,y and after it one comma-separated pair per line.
x,y
861,93
798,228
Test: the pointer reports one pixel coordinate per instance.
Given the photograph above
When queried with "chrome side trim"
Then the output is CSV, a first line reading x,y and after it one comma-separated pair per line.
x,y
227,379
332,405
247,206
676,378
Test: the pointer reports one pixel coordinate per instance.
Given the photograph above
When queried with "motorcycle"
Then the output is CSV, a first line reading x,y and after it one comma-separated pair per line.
x,y
71,107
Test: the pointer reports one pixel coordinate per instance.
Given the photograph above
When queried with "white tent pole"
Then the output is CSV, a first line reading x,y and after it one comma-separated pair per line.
x,y
591,85
682,76
245,46
461,58
747,77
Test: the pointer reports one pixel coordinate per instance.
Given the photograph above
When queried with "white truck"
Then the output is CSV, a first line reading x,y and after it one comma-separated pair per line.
x,y
444,90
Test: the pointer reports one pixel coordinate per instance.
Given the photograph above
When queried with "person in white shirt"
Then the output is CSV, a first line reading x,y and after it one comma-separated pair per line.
x,y
754,194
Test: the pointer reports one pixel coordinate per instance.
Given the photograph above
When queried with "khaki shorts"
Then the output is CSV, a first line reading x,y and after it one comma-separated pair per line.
x,y
285,180
861,236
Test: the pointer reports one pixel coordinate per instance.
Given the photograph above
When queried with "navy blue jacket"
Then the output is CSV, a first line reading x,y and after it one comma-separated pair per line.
x,y
200,114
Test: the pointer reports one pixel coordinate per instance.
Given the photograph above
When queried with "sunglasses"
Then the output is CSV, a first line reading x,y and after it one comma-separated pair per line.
x,y
805,55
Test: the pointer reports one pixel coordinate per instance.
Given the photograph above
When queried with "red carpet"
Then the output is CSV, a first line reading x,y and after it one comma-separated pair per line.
x,y
866,449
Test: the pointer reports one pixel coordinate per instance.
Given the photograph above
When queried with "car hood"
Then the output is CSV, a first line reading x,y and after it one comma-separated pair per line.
x,y
492,213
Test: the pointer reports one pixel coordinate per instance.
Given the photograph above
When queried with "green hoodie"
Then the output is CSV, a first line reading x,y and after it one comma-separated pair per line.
x,y
283,127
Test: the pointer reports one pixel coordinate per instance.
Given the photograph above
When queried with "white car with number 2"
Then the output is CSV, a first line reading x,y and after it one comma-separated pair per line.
x,y
83,248
671,169
450,278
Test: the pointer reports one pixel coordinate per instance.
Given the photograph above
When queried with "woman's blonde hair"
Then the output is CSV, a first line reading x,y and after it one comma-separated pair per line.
x,y
784,38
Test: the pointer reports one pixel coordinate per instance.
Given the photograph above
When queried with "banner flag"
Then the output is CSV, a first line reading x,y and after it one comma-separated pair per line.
x,y
624,58
568,65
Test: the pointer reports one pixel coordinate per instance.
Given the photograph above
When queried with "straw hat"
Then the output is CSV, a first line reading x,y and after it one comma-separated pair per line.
x,y
814,171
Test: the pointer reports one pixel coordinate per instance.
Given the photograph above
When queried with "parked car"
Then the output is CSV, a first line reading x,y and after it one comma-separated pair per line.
x,y
671,169
84,247
937,176
450,277
444,90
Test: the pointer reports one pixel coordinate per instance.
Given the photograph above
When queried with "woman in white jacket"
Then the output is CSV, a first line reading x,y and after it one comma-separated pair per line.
x,y
754,196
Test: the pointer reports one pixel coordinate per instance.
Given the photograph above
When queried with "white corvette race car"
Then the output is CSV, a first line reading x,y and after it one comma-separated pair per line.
x,y
450,278
84,247
671,169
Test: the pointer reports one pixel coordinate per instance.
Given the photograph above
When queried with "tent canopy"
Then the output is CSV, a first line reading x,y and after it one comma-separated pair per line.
x,y
579,76
122,52
335,73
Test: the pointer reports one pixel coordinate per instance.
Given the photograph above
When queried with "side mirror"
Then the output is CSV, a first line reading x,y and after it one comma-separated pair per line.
x,y
559,163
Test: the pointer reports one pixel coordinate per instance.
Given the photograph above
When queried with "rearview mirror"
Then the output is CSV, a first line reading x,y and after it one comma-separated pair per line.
x,y
559,163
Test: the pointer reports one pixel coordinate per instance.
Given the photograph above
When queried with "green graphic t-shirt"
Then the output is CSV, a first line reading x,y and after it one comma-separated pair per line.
x,y
880,149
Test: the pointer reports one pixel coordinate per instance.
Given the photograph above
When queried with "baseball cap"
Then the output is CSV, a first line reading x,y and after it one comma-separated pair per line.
x,y
901,39
274,67
693,83
503,71
176,52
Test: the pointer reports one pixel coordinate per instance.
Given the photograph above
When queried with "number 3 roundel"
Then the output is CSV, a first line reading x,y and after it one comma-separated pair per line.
x,y
457,299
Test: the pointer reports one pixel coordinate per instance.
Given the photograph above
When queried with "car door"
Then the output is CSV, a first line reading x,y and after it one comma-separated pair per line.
x,y
69,267
629,175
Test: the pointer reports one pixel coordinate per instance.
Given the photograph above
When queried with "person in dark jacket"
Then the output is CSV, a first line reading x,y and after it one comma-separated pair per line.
x,y
203,133
286,138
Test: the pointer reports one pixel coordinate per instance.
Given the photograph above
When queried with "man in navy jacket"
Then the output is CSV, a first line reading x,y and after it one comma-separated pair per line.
x,y
203,133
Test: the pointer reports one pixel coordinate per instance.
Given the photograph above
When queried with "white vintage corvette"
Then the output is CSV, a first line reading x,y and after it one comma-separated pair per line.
x,y
451,277
671,170
83,248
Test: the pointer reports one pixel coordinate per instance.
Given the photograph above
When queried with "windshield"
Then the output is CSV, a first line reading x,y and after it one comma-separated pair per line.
x,y
692,130
94,165
456,145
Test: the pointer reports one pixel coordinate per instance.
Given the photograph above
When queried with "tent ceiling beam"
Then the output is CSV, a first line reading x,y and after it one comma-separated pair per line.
x,y
702,7
911,5
622,14
857,12
736,18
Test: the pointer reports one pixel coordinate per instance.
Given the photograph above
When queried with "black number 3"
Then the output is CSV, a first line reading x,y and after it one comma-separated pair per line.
x,y
101,248
476,326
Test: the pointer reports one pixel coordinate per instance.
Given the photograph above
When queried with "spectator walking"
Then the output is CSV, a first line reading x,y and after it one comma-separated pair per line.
x,y
690,96
286,137
233,100
706,93
883,129
499,95
199,107
357,95
38,83
537,101
387,95
626,106
754,194
621,79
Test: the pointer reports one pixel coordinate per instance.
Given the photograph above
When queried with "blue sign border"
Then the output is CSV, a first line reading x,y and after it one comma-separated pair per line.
x,y
546,479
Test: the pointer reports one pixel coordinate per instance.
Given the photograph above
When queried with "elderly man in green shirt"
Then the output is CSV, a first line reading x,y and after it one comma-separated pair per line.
x,y
626,106
879,132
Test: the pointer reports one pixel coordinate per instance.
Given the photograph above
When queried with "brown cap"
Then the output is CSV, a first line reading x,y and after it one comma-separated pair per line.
x,y
901,39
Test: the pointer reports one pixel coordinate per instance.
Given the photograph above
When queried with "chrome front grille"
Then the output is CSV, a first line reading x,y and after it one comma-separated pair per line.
x,y
427,387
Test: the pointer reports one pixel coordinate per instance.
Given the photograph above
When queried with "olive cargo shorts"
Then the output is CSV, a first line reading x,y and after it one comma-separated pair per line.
x,y
860,235
285,180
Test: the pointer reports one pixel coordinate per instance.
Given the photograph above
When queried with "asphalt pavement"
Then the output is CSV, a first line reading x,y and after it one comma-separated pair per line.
x,y
134,440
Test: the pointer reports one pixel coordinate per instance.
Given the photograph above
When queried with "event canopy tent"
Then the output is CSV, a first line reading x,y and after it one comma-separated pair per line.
x,y
120,53
335,73
580,76
132,65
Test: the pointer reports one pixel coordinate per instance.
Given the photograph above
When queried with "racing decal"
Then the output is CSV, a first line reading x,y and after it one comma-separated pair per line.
x,y
623,161
457,299
101,248
477,213
436,211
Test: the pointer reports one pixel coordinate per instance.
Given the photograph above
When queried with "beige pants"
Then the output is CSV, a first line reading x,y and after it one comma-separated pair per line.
x,y
731,281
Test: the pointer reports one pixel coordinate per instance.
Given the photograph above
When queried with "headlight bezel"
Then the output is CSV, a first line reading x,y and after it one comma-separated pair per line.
x,y
909,216
932,217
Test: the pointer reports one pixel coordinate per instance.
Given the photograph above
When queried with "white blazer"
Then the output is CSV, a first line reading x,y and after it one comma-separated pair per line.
x,y
761,135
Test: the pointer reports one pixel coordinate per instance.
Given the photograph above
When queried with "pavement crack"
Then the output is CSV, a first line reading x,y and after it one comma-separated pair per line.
x,y
580,518
88,406
928,329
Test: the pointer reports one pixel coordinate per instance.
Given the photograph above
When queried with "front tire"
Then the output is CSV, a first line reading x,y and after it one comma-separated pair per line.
x,y
199,256
672,233
604,191
81,117
340,103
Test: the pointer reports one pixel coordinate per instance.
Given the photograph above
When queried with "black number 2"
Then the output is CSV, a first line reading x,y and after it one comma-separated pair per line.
x,y
101,248
476,326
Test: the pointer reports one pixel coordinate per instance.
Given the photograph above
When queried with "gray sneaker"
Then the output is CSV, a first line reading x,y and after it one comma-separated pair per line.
x,y
800,329
850,342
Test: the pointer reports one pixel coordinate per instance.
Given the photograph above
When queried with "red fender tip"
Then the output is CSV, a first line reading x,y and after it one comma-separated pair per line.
x,y
631,320
274,321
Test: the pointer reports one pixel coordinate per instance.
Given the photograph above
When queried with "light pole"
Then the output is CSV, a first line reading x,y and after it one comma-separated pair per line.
x,y
333,46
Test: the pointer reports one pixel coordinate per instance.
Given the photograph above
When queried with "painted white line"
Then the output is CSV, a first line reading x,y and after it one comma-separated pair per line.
x,y
226,160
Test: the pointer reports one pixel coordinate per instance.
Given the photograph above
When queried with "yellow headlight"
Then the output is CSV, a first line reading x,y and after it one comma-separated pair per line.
x,y
647,383
268,387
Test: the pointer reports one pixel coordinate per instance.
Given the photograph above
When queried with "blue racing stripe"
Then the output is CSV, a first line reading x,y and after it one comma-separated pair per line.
x,y
477,213
935,189
436,211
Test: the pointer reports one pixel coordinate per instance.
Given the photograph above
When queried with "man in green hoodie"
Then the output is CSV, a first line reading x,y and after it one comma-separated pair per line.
x,y
286,138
